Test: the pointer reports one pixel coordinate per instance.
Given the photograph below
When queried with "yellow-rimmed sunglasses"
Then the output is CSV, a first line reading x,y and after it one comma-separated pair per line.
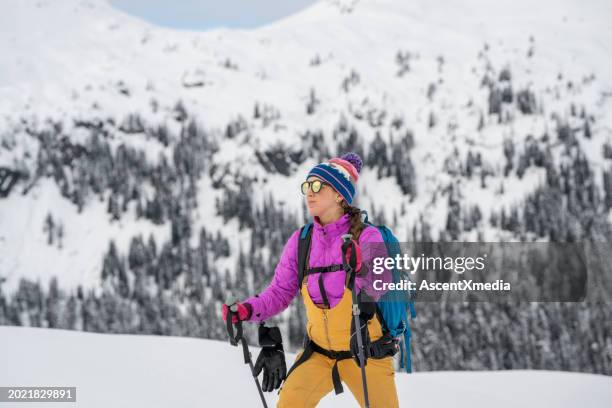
x,y
315,186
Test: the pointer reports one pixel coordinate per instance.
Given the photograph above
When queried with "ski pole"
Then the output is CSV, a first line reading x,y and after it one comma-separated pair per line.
x,y
348,266
239,337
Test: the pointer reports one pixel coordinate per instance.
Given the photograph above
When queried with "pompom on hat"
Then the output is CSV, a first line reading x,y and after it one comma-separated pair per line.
x,y
341,173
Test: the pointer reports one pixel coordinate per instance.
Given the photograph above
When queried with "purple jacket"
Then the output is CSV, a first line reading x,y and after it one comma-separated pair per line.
x,y
325,250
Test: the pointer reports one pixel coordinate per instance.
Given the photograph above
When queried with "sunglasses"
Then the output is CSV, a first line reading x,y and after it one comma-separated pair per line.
x,y
315,186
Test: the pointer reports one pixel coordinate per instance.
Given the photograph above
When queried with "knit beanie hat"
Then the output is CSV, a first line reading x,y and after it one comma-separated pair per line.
x,y
341,172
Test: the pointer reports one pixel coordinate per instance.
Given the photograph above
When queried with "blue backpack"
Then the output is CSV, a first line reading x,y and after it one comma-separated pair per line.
x,y
393,306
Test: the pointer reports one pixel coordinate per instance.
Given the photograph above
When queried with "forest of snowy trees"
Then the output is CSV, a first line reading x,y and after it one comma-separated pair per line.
x,y
176,288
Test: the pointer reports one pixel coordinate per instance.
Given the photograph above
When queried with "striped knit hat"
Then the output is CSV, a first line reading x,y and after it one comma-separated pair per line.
x,y
341,172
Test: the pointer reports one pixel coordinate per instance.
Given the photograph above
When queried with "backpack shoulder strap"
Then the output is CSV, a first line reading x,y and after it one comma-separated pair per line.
x,y
303,249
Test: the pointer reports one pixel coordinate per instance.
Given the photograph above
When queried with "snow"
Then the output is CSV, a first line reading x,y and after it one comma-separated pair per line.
x,y
157,371
61,46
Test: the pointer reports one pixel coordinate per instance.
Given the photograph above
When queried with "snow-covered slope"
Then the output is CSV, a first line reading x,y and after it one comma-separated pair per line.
x,y
150,371
67,60
57,49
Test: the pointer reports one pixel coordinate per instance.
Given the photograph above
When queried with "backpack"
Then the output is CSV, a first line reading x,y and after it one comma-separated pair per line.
x,y
392,308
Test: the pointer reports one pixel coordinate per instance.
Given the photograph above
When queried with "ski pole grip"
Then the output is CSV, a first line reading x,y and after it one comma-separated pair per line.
x,y
231,302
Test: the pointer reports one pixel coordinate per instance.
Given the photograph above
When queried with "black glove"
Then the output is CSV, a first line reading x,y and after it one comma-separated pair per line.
x,y
386,346
271,358
367,309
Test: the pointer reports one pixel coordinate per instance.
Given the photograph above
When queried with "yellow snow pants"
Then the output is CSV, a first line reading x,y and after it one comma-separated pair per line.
x,y
312,380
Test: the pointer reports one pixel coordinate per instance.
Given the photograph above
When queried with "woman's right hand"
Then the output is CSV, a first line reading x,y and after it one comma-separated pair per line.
x,y
243,312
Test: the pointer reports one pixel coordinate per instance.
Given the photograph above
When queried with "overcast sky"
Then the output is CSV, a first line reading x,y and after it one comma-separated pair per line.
x,y
204,14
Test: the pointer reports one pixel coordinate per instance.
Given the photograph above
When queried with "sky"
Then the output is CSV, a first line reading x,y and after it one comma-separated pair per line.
x,y
206,14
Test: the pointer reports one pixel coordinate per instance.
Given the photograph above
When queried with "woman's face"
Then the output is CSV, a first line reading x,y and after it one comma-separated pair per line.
x,y
323,201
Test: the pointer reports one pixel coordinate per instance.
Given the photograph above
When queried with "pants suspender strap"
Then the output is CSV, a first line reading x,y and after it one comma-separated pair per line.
x,y
322,290
337,356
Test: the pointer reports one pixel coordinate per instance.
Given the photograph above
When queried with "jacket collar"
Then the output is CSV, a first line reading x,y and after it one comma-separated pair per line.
x,y
336,228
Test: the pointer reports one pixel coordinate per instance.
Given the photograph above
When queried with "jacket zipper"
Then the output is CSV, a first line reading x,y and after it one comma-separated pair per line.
x,y
326,329
325,323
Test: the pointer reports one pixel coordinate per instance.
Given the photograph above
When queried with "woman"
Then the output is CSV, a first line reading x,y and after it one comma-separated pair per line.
x,y
330,352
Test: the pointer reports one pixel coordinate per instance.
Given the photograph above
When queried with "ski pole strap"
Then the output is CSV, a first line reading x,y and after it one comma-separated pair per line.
x,y
233,339
245,349
238,338
230,328
349,265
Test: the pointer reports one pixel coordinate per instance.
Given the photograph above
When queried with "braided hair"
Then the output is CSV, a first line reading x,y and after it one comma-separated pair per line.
x,y
354,214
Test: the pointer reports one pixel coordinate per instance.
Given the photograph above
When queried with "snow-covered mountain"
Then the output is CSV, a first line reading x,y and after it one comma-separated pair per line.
x,y
154,172
154,371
